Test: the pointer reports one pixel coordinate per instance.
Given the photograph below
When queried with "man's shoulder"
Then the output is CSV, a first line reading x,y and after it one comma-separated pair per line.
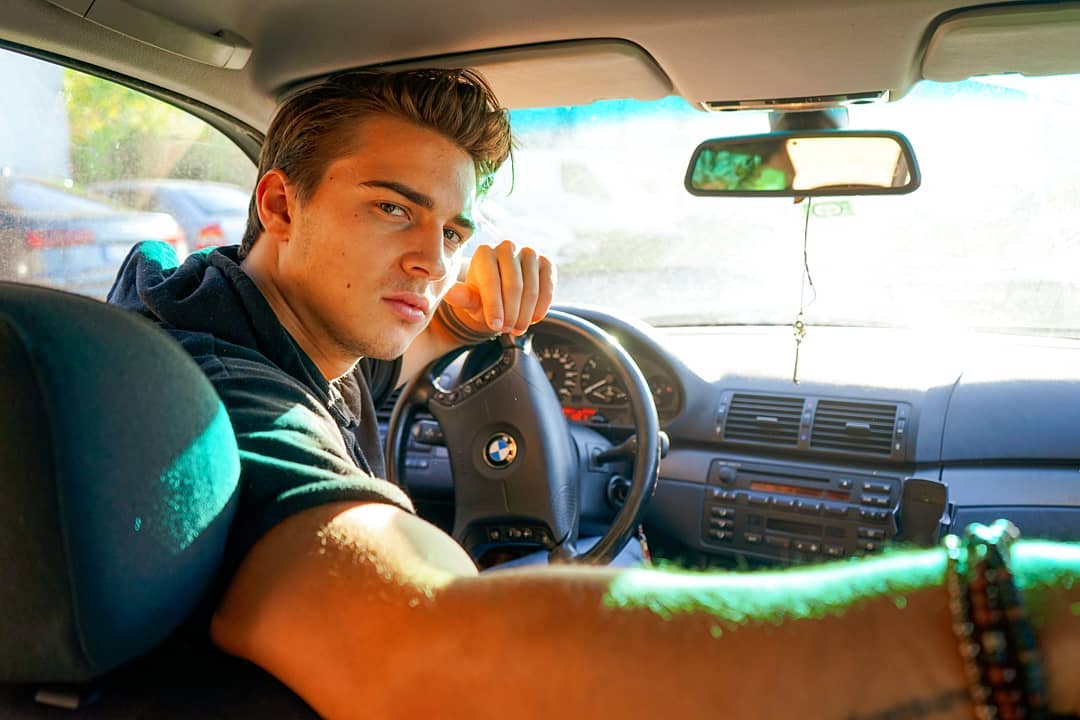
x,y
220,357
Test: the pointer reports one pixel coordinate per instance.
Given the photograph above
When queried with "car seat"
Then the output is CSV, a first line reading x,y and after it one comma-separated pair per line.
x,y
120,478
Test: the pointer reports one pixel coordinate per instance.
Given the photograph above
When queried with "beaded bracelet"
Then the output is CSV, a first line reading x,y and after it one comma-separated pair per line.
x,y
997,644
459,329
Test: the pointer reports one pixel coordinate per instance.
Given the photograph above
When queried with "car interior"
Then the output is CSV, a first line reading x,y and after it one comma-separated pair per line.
x,y
740,372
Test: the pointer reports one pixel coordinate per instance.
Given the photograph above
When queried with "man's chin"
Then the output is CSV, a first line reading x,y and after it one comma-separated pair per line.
x,y
389,345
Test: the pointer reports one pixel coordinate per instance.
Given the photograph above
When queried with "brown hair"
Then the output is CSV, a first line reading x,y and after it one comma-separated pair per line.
x,y
312,127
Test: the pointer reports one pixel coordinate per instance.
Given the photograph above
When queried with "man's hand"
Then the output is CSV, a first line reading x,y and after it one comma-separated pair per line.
x,y
507,289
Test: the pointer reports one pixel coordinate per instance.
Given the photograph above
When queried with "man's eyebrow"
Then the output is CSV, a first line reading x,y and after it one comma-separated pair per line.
x,y
414,195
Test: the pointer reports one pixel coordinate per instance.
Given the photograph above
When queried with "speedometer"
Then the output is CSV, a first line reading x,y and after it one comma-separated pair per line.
x,y
561,371
598,383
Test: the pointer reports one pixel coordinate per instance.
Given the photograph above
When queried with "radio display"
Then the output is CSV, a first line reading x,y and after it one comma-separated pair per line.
x,y
793,490
796,528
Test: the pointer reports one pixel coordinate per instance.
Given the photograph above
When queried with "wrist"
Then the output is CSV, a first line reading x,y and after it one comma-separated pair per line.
x,y
1045,574
456,328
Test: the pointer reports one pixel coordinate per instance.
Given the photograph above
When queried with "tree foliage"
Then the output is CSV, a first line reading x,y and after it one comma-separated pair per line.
x,y
119,133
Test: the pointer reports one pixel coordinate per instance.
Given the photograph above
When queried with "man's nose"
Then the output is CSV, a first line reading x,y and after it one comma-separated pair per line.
x,y
427,256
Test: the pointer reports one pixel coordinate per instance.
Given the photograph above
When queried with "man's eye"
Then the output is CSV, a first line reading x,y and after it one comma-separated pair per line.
x,y
392,209
453,237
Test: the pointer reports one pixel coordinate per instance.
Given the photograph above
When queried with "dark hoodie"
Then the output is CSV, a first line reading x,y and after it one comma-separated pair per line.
x,y
303,441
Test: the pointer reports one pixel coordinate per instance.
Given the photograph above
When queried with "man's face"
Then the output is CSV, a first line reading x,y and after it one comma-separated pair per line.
x,y
377,245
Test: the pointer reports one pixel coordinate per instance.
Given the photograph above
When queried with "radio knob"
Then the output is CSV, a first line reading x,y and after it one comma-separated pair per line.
x,y
721,473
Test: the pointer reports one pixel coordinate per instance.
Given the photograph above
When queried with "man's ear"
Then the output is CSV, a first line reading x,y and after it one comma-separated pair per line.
x,y
274,197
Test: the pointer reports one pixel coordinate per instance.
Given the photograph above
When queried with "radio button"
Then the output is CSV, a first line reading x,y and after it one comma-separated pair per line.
x,y
873,515
783,502
722,512
834,551
777,542
723,524
867,546
878,500
809,507
759,500
876,487
723,535
751,538
872,533
837,510
807,547
845,484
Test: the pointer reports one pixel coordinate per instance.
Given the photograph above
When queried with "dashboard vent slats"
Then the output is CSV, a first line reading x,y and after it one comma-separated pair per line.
x,y
771,419
386,409
853,427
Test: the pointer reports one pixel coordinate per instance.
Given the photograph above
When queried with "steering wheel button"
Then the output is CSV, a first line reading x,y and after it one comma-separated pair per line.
x,y
514,533
752,538
494,534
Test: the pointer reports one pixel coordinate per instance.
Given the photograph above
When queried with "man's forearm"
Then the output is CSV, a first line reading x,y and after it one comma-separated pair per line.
x,y
389,636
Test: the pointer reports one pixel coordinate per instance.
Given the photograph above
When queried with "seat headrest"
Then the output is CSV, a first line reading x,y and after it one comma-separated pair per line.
x,y
120,474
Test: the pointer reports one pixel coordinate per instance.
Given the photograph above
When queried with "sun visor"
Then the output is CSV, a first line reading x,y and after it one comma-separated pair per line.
x,y
1027,39
562,73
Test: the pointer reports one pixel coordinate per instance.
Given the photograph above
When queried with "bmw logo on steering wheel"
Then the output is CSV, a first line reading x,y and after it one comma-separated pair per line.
x,y
500,451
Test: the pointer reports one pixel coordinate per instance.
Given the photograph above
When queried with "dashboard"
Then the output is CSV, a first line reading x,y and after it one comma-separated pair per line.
x,y
888,436
588,390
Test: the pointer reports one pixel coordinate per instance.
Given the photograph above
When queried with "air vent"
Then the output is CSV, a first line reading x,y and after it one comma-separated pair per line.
x,y
384,411
771,419
853,427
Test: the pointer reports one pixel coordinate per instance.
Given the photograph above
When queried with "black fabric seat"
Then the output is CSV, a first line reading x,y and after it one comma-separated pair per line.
x,y
120,476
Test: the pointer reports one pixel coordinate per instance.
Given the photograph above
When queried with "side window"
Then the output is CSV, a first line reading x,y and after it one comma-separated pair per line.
x,y
89,167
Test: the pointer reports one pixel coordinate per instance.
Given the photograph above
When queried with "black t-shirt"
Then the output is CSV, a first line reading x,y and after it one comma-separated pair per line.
x,y
303,441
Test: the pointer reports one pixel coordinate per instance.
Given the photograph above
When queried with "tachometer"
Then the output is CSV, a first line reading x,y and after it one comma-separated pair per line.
x,y
663,392
598,383
561,371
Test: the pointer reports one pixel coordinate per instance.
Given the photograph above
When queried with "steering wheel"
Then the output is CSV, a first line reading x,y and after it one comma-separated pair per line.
x,y
515,463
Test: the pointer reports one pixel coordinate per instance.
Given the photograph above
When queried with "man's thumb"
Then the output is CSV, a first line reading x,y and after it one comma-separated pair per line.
x,y
464,297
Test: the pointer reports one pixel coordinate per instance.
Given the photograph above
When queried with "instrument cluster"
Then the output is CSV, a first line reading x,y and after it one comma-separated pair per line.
x,y
589,390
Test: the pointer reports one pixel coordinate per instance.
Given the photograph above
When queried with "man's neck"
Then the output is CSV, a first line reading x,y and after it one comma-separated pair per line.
x,y
331,365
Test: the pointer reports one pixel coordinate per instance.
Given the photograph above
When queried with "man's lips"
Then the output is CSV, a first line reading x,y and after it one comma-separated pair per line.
x,y
409,306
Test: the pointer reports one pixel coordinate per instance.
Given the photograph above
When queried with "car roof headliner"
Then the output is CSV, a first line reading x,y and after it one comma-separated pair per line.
x,y
702,49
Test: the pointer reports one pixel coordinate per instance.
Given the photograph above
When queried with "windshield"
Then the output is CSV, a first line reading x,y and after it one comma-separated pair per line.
x,y
990,241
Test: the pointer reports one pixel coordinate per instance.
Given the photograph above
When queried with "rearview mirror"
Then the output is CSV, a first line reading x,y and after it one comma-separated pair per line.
x,y
805,163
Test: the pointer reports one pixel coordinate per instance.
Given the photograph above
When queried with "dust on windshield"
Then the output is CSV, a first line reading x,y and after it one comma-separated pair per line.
x,y
991,240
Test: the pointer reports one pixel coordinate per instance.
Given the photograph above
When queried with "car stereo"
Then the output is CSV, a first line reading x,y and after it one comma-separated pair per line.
x,y
777,512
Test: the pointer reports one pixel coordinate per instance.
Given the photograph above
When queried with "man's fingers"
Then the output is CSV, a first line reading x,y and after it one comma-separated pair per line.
x,y
530,289
548,278
484,275
511,280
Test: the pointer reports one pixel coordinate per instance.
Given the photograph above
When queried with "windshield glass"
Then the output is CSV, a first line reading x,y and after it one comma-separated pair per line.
x,y
990,241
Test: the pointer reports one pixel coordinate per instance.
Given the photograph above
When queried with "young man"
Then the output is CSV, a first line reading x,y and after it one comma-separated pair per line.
x,y
344,286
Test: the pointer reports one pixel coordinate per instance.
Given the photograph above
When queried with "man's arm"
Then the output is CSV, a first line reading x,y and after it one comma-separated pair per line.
x,y
501,289
365,610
